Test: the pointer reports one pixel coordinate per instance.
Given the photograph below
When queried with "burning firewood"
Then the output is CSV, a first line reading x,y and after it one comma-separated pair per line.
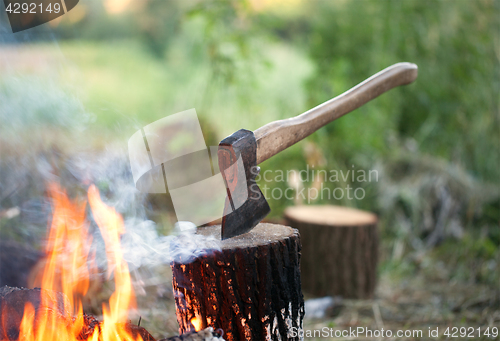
x,y
43,302
13,302
12,306
250,287
55,311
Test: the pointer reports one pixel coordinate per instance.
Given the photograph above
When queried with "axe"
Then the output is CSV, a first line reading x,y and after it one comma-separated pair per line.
x,y
240,153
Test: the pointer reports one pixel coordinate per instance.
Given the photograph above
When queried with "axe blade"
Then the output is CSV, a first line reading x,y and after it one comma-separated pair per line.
x,y
245,204
246,217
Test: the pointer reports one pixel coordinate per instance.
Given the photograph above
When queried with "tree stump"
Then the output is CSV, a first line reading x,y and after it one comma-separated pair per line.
x,y
250,287
340,247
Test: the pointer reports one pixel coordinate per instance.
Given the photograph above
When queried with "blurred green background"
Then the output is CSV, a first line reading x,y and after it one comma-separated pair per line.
x,y
114,66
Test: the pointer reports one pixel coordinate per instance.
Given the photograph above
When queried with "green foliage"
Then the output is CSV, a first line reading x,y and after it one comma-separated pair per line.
x,y
227,33
158,22
477,261
435,142
96,24
452,109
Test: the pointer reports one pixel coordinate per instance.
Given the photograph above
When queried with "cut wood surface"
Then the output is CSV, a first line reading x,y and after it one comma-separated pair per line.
x,y
249,287
330,215
340,250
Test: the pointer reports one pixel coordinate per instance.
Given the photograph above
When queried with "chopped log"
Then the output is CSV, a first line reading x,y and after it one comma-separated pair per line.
x,y
250,288
12,304
137,331
340,250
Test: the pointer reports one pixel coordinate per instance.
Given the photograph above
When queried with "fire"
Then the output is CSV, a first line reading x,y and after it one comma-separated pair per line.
x,y
68,268
111,226
197,324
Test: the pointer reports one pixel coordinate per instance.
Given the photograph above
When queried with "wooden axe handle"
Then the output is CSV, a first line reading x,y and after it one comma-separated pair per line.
x,y
279,135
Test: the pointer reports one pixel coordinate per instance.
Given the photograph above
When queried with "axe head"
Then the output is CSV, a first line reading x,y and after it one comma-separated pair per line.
x,y
245,204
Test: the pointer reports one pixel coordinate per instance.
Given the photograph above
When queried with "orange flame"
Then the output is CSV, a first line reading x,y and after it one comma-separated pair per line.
x,y
67,270
197,323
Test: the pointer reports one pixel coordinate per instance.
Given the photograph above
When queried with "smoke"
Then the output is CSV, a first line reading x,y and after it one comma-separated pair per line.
x,y
47,135
35,104
37,117
143,244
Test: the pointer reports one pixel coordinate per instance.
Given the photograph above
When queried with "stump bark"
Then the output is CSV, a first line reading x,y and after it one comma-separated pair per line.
x,y
340,250
250,287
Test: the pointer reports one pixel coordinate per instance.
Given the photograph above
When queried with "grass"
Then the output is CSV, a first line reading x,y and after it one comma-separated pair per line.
x,y
125,87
